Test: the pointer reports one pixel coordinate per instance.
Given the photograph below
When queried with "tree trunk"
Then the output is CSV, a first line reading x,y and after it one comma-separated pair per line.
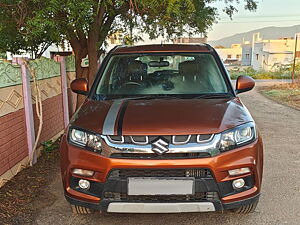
x,y
93,56
81,72
82,50
90,46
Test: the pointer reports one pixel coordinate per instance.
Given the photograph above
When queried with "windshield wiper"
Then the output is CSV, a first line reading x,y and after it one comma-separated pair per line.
x,y
155,96
213,95
162,96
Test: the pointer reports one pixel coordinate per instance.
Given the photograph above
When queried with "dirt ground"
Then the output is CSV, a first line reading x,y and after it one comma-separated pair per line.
x,y
280,199
288,94
23,196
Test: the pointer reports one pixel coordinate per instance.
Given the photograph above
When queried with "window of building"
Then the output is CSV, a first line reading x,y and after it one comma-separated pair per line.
x,y
238,56
228,56
257,56
247,56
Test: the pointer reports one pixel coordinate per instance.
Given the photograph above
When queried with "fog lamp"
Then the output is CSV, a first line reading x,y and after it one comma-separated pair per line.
x,y
84,184
81,172
239,171
238,183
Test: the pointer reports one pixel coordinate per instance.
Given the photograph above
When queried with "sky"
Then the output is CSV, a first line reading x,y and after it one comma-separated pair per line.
x,y
278,13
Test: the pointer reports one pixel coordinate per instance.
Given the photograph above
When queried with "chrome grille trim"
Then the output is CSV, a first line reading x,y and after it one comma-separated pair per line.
x,y
140,143
154,156
122,141
206,140
148,139
181,142
211,146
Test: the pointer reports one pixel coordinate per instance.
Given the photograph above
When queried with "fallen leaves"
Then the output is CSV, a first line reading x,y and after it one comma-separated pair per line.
x,y
21,197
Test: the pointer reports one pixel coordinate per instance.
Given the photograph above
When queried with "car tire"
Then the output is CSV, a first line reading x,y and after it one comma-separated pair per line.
x,y
80,210
245,209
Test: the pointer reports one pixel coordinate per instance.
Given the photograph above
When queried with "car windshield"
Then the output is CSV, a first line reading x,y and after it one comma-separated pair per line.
x,y
178,74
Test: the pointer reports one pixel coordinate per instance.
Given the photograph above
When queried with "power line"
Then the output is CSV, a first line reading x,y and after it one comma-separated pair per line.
x,y
258,21
263,16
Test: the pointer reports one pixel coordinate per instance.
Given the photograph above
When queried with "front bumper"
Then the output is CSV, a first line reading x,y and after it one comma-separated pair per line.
x,y
219,182
120,207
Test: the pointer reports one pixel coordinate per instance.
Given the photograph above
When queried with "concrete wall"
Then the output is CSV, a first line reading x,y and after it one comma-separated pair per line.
x,y
13,141
257,56
246,54
13,136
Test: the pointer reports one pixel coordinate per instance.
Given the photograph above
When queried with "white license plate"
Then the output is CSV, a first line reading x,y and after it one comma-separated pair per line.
x,y
163,186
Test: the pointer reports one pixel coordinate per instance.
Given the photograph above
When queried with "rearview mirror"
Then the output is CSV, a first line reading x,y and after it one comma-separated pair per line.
x,y
80,86
244,83
158,63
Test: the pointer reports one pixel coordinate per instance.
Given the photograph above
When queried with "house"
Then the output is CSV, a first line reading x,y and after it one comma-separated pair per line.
x,y
190,40
230,56
268,55
63,49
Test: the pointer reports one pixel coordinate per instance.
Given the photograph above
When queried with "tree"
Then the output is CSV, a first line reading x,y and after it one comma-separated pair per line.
x,y
28,24
19,34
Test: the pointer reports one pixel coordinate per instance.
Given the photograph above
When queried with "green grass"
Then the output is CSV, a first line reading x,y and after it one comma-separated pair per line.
x,y
278,93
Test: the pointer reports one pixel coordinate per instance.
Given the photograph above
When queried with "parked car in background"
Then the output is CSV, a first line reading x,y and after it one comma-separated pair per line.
x,y
162,131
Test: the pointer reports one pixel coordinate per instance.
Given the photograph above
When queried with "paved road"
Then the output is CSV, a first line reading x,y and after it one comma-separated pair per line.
x,y
280,199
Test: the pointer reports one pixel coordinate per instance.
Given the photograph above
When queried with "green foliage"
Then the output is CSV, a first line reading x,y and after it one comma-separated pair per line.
x,y
128,40
25,25
49,146
2,55
33,25
297,68
282,73
19,28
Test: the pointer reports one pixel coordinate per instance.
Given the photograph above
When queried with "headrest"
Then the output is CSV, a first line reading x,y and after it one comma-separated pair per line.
x,y
136,67
187,68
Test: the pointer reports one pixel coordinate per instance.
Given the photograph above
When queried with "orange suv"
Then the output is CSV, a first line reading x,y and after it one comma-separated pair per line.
x,y
162,131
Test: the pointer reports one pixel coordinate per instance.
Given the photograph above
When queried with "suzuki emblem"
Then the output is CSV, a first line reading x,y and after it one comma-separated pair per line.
x,y
160,146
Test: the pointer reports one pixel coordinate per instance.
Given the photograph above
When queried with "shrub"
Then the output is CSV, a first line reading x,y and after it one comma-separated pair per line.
x,y
282,73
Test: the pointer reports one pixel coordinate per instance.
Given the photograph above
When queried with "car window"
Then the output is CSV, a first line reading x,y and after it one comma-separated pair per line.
x,y
148,74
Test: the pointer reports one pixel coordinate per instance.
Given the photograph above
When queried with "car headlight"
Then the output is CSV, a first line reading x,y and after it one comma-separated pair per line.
x,y
85,139
238,136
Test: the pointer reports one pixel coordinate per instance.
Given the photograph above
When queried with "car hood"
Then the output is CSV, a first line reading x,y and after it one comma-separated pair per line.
x,y
161,116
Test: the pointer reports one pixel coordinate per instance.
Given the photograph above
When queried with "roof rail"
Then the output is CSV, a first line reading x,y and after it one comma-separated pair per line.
x,y
115,48
209,47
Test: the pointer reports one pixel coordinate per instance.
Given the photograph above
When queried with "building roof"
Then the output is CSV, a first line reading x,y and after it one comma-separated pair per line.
x,y
162,48
279,52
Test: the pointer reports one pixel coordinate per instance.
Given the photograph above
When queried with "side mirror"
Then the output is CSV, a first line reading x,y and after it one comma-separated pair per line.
x,y
80,86
244,83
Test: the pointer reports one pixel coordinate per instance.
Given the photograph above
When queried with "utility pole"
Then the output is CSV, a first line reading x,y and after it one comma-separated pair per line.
x,y
295,56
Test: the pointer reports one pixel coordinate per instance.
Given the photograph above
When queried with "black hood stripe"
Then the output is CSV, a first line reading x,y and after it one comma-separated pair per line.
x,y
121,117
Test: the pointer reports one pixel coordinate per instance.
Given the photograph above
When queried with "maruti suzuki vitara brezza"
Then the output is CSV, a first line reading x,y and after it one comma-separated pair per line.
x,y
162,130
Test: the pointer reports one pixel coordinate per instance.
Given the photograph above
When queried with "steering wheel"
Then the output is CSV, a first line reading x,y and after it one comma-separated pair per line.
x,y
131,83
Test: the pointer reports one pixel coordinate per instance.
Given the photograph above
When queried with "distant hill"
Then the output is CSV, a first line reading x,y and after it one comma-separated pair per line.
x,y
265,33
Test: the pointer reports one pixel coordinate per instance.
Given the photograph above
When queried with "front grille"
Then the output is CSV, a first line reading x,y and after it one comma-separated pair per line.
x,y
125,173
171,139
200,196
164,156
